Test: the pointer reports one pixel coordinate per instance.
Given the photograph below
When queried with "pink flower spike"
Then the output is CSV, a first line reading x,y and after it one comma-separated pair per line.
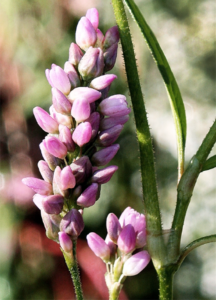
x,y
60,102
38,186
104,175
93,16
53,204
45,121
127,239
68,180
59,79
75,54
113,227
85,34
72,223
45,171
65,137
102,82
72,74
65,242
111,37
55,147
98,246
84,92
82,134
104,156
88,197
80,110
136,263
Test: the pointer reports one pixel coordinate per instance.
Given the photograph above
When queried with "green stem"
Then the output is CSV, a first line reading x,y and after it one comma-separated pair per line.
x,y
165,276
151,203
71,262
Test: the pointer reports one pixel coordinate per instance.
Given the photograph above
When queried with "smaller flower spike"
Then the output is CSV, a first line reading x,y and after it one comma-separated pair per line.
x,y
45,121
98,246
136,263
85,34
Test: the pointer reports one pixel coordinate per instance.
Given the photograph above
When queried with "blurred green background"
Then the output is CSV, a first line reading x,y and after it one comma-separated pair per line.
x,y
36,33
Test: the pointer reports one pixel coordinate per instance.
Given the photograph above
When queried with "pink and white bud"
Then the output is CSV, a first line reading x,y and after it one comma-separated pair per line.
x,y
109,136
75,54
104,156
111,37
110,55
45,171
127,239
104,175
60,102
102,82
68,180
60,118
51,223
58,78
38,186
53,204
82,134
98,246
85,34
107,123
72,74
57,189
81,110
45,121
84,93
55,147
93,16
37,199
94,120
88,197
82,169
136,263
91,64
72,223
65,137
113,227
114,106
65,242
49,158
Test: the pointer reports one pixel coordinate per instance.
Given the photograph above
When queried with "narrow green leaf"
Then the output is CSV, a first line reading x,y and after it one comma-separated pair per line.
x,y
209,164
175,98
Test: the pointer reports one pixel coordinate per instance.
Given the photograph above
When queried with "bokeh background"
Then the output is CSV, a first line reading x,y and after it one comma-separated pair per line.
x,y
36,33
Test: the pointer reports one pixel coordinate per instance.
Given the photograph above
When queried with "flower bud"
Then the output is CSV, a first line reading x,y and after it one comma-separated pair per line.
x,y
55,147
84,93
93,16
57,189
111,245
65,137
127,239
114,106
104,175
108,137
124,215
94,120
111,37
45,171
82,169
72,74
80,110
51,223
91,64
38,186
136,263
60,102
98,246
102,82
110,57
82,134
65,242
53,204
60,118
45,121
88,197
68,180
113,227
100,39
75,54
85,34
104,156
107,123
72,223
58,78
49,158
